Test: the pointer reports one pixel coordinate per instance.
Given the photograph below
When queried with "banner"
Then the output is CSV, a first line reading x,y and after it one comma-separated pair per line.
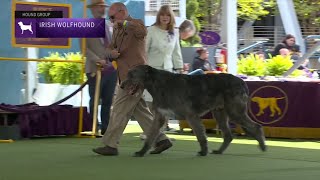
x,y
209,37
39,7
60,28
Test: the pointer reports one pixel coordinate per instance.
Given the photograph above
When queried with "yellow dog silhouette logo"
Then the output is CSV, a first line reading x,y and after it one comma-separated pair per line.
x,y
268,104
264,103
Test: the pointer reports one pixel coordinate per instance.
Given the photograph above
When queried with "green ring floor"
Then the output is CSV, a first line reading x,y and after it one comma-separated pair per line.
x,y
72,159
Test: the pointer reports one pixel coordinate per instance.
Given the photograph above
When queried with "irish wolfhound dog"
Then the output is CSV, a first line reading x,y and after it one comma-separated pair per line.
x,y
190,97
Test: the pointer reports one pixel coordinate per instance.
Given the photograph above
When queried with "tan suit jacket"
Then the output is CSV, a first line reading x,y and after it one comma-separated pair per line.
x,y
130,41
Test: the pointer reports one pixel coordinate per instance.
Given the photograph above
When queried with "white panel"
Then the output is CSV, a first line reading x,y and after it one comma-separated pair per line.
x,y
232,37
290,21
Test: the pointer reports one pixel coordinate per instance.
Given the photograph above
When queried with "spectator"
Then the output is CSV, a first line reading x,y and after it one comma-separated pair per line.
x,y
284,52
163,47
96,53
289,42
187,29
201,61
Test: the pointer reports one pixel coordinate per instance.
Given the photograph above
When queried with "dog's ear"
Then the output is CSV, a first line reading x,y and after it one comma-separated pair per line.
x,y
147,69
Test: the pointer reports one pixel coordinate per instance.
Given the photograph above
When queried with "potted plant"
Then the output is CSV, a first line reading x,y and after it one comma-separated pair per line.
x,y
278,65
251,65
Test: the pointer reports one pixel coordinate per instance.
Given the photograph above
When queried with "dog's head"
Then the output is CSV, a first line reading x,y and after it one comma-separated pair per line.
x,y
20,23
136,79
255,99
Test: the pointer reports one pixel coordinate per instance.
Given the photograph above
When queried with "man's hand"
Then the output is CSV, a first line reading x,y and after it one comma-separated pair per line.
x,y
179,71
102,62
115,53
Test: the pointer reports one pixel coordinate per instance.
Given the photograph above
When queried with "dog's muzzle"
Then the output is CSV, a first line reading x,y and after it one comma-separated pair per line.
x,y
122,86
130,87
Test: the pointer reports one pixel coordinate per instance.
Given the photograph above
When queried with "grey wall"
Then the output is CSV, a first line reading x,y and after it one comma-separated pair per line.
x,y
10,79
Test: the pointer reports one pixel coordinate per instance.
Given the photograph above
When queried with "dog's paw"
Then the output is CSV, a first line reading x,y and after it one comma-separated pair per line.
x,y
216,152
138,154
263,148
202,153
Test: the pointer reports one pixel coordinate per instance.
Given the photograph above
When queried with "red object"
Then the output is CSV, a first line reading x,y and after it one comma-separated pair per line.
x,y
223,53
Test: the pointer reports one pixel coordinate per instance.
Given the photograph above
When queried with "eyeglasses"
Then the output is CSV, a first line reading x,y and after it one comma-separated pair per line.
x,y
113,16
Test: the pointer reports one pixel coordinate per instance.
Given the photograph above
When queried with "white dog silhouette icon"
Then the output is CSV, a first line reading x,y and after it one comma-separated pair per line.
x,y
25,27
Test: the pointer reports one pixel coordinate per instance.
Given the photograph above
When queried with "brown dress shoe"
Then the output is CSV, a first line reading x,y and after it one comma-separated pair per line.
x,y
162,146
106,151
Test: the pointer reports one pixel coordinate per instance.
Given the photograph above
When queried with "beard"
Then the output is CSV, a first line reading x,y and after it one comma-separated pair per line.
x,y
100,14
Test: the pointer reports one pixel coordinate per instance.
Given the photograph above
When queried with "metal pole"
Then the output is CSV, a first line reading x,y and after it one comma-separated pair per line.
x,y
232,39
83,52
96,100
303,58
290,21
39,60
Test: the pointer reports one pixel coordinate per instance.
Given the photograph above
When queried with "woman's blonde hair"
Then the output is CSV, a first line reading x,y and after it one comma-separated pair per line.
x,y
166,10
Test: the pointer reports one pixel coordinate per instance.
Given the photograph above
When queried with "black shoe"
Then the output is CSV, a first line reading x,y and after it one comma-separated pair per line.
x,y
103,131
162,146
106,151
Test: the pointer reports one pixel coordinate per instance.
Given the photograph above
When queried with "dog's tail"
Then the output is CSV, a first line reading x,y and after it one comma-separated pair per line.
x,y
246,88
280,98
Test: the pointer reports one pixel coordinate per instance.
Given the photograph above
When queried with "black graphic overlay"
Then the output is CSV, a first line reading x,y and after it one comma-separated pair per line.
x,y
38,14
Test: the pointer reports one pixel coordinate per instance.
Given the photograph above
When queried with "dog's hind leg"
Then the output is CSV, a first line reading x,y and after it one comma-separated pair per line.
x,y
152,133
253,129
237,111
199,130
222,120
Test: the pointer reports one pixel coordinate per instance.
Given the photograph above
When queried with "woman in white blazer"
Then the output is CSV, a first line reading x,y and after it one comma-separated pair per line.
x,y
163,43
163,46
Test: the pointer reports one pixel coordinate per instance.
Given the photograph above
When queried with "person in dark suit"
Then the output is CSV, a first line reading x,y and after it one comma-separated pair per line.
x,y
96,53
289,42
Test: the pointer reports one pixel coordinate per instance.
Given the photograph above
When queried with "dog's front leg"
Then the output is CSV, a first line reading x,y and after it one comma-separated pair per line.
x,y
152,134
222,120
199,130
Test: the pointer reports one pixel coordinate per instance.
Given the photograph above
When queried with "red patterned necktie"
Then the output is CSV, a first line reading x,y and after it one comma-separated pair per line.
x,y
108,67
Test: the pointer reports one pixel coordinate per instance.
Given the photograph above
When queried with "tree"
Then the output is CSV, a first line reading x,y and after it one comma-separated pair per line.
x,y
254,9
308,13
208,12
192,9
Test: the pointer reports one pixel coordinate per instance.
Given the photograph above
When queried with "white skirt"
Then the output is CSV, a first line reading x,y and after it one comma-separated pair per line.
x,y
147,96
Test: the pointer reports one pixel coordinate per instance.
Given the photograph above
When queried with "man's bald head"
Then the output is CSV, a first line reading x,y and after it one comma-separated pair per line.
x,y
118,11
119,6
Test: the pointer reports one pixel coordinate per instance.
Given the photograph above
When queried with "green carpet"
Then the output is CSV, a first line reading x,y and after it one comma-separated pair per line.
x,y
71,158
